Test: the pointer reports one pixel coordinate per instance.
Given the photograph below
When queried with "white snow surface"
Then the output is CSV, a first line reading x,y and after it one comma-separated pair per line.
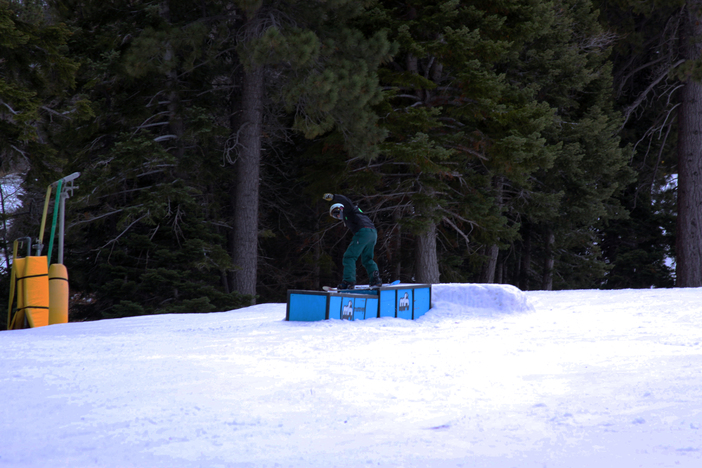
x,y
489,377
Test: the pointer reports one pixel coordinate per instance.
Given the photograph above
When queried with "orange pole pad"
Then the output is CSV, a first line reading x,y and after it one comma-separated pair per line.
x,y
58,294
33,291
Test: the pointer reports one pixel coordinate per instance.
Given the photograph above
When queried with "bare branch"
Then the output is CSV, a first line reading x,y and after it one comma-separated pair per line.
x,y
53,112
99,217
10,108
458,230
114,241
643,95
165,137
145,123
626,78
600,41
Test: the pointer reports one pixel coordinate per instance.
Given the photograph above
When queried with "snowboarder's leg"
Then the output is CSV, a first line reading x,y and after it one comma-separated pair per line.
x,y
368,239
353,251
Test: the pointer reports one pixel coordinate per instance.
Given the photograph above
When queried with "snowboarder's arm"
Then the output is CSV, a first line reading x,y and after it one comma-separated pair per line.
x,y
348,206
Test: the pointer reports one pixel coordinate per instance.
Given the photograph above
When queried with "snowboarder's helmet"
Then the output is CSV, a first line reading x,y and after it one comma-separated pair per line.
x,y
337,211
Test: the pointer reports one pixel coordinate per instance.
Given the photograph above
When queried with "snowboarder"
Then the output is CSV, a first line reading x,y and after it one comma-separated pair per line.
x,y
362,244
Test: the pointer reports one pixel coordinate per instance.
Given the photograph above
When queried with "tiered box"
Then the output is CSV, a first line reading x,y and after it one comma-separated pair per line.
x,y
407,301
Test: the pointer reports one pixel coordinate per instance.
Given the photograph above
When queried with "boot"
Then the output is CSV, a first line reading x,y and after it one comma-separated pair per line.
x,y
346,285
375,281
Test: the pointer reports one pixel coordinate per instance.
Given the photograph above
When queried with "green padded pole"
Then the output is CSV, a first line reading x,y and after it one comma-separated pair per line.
x,y
59,185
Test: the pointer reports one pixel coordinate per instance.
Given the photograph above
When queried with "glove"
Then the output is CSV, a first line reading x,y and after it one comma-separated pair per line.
x,y
328,196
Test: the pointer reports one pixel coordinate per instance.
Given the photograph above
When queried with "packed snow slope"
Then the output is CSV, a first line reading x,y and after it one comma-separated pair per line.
x,y
490,377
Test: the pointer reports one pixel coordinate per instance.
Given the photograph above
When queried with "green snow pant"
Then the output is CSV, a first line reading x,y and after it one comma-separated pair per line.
x,y
362,245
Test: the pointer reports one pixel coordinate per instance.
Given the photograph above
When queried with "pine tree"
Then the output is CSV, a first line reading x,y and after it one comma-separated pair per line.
x,y
573,199
34,73
463,138
323,71
482,131
646,58
34,76
148,236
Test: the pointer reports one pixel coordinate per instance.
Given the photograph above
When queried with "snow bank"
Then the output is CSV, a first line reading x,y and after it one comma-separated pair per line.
x,y
588,379
479,299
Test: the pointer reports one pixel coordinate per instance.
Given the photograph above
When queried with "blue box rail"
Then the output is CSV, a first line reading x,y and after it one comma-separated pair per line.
x,y
407,301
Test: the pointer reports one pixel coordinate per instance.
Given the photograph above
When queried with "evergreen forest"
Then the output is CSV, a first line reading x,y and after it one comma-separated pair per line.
x,y
547,144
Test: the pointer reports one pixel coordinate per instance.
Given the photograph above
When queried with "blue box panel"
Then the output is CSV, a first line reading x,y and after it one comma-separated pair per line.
x,y
422,301
335,307
307,307
387,303
405,302
371,308
352,307
359,308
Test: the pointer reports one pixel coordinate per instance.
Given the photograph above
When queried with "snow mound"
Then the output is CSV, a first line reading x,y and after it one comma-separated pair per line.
x,y
479,299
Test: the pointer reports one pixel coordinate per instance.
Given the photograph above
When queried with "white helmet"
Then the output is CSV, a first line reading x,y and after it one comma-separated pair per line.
x,y
337,211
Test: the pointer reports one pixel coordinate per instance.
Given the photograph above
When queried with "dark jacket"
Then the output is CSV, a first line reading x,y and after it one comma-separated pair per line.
x,y
354,219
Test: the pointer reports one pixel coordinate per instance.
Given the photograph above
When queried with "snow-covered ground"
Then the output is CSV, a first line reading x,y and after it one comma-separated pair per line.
x,y
490,377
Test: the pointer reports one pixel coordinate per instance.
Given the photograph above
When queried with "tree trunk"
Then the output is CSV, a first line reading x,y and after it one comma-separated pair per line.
x,y
175,120
316,269
245,237
397,247
525,263
689,221
427,263
491,266
494,250
549,260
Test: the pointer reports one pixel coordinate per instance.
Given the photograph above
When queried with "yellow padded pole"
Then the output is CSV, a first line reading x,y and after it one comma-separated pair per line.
x,y
58,294
34,283
44,213
13,275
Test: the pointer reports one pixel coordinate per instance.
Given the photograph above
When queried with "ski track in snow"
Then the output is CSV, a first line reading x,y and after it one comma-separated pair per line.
x,y
490,377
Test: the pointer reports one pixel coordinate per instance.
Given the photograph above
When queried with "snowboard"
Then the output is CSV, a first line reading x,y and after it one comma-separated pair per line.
x,y
332,289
